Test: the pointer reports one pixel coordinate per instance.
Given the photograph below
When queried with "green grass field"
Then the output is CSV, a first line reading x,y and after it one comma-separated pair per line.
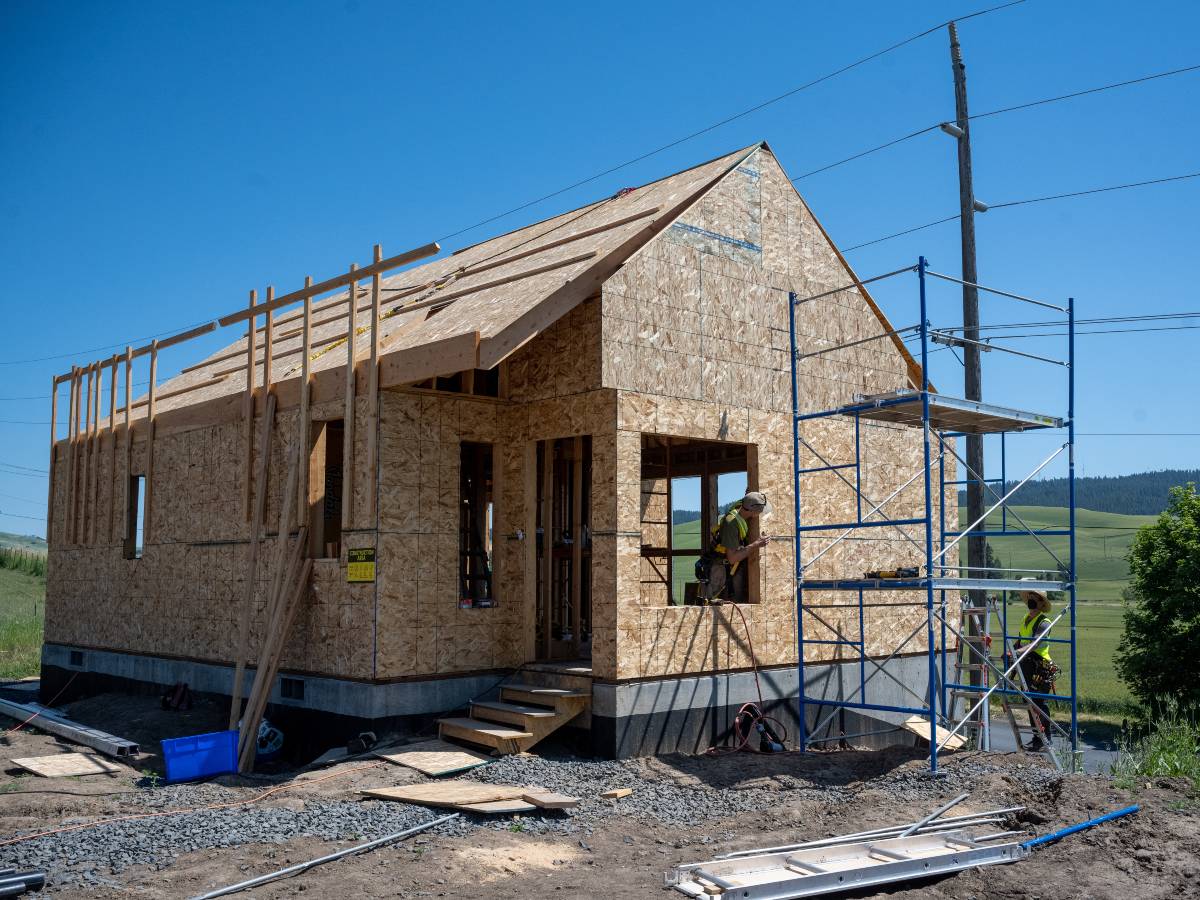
x,y
1101,543
22,602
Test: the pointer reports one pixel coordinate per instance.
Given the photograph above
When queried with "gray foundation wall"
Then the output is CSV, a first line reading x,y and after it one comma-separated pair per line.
x,y
670,715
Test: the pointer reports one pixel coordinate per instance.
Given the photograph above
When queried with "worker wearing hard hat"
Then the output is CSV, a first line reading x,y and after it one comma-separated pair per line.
x,y
1037,667
730,547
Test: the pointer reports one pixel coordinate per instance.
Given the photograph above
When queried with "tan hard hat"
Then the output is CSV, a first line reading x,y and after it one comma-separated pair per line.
x,y
756,500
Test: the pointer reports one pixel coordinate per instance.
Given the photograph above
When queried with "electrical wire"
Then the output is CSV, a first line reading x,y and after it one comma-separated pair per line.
x,y
993,206
733,118
997,112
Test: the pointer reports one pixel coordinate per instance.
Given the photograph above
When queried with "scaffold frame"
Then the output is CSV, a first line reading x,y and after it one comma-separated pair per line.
x,y
942,419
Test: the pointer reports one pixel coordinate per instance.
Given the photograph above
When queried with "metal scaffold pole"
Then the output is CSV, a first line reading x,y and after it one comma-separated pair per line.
x,y
931,649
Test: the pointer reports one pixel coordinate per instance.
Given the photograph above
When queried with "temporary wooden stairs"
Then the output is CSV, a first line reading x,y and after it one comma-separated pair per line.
x,y
523,716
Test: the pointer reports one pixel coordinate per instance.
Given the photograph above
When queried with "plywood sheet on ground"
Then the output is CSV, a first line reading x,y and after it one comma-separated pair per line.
x,y
63,765
448,793
436,758
920,727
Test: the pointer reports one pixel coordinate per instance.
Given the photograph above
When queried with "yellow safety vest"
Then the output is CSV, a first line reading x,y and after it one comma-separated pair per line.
x,y
743,527
1027,636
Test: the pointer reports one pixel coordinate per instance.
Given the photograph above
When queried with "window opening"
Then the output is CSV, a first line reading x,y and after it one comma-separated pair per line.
x,y
325,488
135,517
475,525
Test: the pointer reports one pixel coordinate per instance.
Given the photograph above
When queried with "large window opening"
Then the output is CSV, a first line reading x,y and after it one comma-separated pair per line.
x,y
325,488
686,486
135,517
476,513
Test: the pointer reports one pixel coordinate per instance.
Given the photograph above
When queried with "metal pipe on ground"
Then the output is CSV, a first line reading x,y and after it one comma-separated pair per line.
x,y
304,866
14,883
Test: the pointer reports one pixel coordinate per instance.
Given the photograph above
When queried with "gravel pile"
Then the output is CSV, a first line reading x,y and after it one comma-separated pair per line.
x,y
91,853
662,794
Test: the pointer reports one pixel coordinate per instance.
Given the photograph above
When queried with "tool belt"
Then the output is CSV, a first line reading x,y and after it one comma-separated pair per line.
x,y
1042,675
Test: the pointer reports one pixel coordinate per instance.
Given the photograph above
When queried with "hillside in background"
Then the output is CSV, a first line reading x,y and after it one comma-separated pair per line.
x,y
23,542
1143,494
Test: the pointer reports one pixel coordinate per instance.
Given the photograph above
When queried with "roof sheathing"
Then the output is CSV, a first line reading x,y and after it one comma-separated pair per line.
x,y
479,328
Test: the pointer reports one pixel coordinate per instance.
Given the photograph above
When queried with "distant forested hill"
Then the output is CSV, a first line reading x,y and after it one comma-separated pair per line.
x,y
1143,494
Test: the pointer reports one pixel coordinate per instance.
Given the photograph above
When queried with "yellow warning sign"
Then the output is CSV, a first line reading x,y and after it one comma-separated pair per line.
x,y
360,565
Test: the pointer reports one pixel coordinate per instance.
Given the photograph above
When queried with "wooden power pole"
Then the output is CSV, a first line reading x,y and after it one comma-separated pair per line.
x,y
976,546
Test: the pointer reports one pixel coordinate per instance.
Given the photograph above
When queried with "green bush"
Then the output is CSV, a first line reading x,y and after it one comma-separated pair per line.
x,y
23,561
1157,656
1168,745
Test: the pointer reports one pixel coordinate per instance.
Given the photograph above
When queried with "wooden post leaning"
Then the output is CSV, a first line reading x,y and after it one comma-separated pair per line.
x,y
373,397
305,426
348,422
125,531
248,407
260,507
147,511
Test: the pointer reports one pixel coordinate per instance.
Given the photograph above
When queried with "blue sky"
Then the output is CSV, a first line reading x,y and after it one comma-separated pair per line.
x,y
162,159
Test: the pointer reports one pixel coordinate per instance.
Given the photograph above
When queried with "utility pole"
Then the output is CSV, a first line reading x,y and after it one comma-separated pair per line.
x,y
976,546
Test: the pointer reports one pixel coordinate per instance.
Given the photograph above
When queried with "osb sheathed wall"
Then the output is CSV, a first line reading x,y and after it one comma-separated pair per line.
x,y
695,340
183,597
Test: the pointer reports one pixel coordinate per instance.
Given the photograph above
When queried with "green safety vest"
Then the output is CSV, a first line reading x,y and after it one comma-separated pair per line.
x,y
715,546
1026,635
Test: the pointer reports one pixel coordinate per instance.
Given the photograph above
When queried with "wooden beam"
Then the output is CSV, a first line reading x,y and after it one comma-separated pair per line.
x,y
577,544
53,454
348,423
93,456
443,357
305,425
260,506
373,398
248,409
147,509
546,566
176,339
438,300
112,442
73,455
341,280
268,340
529,472
128,437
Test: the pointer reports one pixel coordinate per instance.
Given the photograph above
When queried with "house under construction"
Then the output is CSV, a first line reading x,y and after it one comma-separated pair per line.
x,y
497,457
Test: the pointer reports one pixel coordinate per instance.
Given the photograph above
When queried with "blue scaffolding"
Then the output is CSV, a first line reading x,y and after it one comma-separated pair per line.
x,y
941,579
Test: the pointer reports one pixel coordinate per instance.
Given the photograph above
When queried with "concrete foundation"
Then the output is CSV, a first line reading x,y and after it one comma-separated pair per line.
x,y
644,718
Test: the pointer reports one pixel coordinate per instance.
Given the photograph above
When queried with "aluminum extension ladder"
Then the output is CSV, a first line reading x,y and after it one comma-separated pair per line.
x,y
824,870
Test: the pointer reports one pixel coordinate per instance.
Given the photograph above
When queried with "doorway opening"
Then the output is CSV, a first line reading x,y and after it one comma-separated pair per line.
x,y
564,549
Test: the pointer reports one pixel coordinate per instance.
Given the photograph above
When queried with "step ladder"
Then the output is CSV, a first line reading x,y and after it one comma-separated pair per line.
x,y
974,648
524,715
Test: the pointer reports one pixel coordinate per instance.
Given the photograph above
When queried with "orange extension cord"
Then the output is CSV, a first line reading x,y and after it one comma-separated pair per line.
x,y
742,741
176,812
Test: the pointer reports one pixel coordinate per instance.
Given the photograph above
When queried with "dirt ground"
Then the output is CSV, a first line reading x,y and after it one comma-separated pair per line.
x,y
1155,853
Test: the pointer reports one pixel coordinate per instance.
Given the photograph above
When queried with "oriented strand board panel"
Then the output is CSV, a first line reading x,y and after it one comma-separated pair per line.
x,y
920,727
65,765
448,793
436,758
498,807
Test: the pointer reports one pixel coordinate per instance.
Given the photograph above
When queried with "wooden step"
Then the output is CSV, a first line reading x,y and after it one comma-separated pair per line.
x,y
511,713
487,734
532,695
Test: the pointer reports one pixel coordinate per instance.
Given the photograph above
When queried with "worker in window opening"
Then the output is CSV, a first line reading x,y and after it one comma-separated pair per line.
x,y
729,548
1037,667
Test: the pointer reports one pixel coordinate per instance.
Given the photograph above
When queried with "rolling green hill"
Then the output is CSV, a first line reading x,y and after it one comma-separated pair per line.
x,y
1101,544
22,602
23,542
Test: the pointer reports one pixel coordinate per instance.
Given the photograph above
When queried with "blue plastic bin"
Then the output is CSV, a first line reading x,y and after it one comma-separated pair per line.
x,y
200,755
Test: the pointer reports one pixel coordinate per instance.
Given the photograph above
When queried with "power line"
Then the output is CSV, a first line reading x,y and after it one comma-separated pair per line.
x,y
19,516
608,171
26,468
23,500
997,112
1116,187
732,118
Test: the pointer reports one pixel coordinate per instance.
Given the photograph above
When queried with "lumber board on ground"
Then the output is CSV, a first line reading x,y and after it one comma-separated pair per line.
x,y
66,765
436,758
550,800
616,793
497,807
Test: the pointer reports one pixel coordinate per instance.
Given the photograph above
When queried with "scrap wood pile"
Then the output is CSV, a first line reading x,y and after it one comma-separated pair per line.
x,y
288,588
